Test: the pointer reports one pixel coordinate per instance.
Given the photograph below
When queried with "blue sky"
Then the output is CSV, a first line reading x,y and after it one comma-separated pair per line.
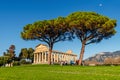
x,y
15,14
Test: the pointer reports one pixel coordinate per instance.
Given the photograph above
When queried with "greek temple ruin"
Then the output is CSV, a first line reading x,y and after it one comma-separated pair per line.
x,y
41,55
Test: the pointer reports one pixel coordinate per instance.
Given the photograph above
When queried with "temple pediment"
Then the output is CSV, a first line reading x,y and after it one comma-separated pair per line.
x,y
69,52
41,48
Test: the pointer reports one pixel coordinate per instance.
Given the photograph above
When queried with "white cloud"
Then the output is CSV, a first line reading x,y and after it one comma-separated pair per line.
x,y
100,4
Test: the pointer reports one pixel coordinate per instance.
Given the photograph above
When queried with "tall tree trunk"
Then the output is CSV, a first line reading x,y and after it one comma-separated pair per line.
x,y
81,53
50,53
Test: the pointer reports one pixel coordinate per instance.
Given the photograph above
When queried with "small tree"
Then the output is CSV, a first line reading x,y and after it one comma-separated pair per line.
x,y
3,60
23,54
30,54
48,31
26,53
91,27
11,51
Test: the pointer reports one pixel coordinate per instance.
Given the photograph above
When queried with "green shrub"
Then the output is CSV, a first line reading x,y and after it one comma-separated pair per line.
x,y
1,62
23,61
16,63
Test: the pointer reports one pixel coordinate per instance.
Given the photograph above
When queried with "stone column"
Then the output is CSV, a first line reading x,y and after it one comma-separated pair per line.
x,y
39,58
54,57
51,58
57,57
34,58
74,58
68,59
42,57
45,56
60,57
65,57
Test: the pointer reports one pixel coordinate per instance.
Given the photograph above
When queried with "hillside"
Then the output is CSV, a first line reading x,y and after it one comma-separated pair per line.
x,y
100,57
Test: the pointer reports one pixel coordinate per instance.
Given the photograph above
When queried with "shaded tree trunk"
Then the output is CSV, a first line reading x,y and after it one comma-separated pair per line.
x,y
50,53
81,53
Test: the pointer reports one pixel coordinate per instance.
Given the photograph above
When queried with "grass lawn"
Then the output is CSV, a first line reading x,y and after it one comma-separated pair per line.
x,y
57,72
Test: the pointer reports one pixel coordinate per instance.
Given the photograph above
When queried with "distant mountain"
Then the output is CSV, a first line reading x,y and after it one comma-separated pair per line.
x,y
100,57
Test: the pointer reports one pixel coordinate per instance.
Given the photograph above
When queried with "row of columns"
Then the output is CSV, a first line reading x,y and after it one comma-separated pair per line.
x,y
42,57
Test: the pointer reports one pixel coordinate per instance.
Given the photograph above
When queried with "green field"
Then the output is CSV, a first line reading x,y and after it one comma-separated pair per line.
x,y
57,72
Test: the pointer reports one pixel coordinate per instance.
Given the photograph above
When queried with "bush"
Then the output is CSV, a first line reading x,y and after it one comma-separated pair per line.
x,y
28,63
16,63
1,62
23,61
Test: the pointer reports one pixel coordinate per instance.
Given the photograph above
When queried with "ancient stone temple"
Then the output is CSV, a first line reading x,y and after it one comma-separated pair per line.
x,y
41,55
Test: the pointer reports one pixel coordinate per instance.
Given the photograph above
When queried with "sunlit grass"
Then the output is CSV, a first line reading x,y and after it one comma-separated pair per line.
x,y
57,72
